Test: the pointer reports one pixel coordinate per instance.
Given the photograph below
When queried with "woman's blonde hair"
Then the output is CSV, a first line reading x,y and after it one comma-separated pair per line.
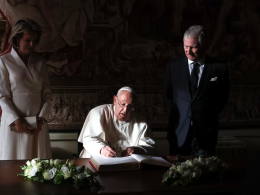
x,y
20,26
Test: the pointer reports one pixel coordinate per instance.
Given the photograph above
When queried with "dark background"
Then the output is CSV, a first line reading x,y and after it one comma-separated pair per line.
x,y
128,42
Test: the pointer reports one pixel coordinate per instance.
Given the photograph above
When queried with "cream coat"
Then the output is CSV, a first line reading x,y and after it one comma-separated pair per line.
x,y
24,91
101,126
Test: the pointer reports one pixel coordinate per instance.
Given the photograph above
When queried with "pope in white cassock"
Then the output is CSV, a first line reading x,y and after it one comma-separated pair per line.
x,y
119,125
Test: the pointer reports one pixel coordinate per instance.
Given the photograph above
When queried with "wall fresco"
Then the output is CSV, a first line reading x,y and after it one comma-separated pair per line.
x,y
99,45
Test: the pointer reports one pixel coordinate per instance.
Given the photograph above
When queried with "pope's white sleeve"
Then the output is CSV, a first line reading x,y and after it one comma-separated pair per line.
x,y
5,95
92,134
146,142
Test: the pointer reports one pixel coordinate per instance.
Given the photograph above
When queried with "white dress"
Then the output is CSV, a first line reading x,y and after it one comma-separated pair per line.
x,y
24,91
101,125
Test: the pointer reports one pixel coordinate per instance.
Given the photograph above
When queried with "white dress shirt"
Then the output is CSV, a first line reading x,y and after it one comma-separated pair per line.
x,y
201,63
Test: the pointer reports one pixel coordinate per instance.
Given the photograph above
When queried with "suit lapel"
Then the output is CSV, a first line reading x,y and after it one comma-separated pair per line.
x,y
186,77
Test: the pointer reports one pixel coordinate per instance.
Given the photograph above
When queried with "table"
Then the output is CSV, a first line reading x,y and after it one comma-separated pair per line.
x,y
124,182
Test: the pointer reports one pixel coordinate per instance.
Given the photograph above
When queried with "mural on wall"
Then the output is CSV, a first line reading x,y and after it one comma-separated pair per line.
x,y
93,43
70,105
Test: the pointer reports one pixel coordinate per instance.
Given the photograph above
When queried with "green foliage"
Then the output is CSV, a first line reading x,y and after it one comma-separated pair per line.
x,y
58,172
59,178
204,169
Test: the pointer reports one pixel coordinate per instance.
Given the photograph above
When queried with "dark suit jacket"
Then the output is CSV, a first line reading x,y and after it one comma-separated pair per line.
x,y
203,108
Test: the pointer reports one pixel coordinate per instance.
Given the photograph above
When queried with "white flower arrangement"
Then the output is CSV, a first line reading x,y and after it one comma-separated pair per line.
x,y
184,173
58,172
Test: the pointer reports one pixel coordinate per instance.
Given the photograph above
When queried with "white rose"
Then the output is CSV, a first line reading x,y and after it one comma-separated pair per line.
x,y
45,162
27,171
39,165
185,164
71,164
64,169
66,172
57,162
49,174
46,175
189,163
33,172
179,169
52,172
28,163
33,162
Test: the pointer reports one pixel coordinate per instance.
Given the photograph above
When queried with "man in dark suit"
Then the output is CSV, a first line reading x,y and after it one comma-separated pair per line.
x,y
196,89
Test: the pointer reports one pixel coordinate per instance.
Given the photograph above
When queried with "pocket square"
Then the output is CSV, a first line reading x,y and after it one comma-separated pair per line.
x,y
214,79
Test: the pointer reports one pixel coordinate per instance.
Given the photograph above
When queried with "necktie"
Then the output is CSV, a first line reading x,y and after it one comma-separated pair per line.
x,y
194,78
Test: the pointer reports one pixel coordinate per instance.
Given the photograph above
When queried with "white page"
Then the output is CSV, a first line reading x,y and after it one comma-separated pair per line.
x,y
31,120
152,160
102,160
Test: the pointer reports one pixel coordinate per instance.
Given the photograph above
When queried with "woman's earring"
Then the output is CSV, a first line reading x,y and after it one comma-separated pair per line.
x,y
17,46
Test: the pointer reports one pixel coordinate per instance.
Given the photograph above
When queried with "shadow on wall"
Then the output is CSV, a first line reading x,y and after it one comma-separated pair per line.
x,y
59,153
250,186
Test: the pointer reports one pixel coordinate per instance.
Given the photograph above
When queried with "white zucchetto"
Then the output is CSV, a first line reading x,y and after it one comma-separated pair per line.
x,y
125,89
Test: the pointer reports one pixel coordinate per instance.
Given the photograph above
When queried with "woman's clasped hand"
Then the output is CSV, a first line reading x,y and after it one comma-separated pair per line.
x,y
23,127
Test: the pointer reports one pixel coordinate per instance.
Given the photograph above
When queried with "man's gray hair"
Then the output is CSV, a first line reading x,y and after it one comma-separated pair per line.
x,y
20,26
196,31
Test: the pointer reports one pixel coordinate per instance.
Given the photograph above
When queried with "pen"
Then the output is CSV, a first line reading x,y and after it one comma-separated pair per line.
x,y
110,146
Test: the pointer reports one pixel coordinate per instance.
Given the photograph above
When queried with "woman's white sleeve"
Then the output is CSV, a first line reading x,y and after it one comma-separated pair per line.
x,y
5,95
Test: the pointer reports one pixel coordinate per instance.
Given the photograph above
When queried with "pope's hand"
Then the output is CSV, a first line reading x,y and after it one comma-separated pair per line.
x,y
130,150
107,151
22,126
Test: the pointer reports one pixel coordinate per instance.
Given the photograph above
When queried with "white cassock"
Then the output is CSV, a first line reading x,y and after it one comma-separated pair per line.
x,y
101,125
24,91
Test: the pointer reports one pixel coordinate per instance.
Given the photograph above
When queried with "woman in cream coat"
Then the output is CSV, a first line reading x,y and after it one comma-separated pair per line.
x,y
24,92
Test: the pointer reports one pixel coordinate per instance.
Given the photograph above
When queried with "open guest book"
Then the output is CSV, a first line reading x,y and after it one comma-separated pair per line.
x,y
133,162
